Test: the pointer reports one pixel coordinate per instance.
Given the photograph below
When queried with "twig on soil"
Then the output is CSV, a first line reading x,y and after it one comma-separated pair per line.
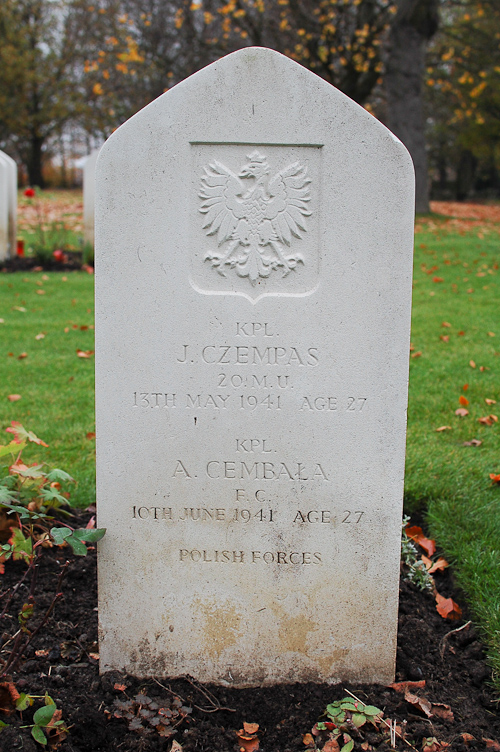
x,y
442,644
203,710
385,722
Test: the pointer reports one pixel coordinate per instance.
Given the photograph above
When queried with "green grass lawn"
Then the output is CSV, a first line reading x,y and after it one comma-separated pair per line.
x,y
56,386
457,282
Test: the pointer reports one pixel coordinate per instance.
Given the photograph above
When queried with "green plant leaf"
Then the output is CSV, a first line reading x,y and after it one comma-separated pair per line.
x,y
32,472
60,534
348,747
371,710
44,714
59,476
358,719
6,495
52,494
79,548
90,535
12,448
3,725
38,735
48,699
23,701
348,705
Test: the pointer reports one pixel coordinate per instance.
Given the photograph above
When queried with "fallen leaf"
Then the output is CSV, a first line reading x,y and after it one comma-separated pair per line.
x,y
491,334
443,428
95,656
463,400
445,337
14,397
21,434
119,687
64,279
446,323
495,478
84,353
90,435
465,387
41,653
447,608
422,703
461,334
461,412
251,728
412,347
308,740
483,369
19,308
8,697
417,354
40,292
22,356
437,279
40,336
472,442
439,565
468,738
427,561
471,289
416,534
442,711
490,401
431,744
176,747
66,329
332,745
405,685
472,364
491,743
488,420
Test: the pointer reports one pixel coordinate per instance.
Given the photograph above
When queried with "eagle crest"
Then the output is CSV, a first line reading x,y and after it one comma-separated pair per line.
x,y
254,216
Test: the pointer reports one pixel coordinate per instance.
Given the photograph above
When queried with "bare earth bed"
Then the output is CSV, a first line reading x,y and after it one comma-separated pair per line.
x,y
63,662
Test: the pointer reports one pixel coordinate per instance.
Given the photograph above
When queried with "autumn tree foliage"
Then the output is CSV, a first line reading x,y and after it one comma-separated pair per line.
x,y
463,91
37,93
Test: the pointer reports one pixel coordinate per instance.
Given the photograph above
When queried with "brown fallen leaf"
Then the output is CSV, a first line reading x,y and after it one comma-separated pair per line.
x,y
416,354
472,364
8,697
405,685
463,400
491,334
416,534
447,608
14,397
461,333
119,687
468,738
490,401
90,435
445,337
495,478
461,412
491,744
40,336
40,292
465,387
437,279
446,324
22,356
483,368
422,703
439,565
488,420
308,740
251,728
473,442
431,744
332,745
443,428
247,737
84,353
442,711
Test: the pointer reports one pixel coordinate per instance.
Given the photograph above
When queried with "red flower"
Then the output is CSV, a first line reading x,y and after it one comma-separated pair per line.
x,y
29,192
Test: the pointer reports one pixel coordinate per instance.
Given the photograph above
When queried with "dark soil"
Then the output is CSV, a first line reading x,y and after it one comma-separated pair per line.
x,y
72,261
61,663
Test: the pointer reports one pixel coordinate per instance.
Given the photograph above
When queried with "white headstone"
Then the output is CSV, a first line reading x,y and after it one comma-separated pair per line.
x,y
253,284
5,197
12,203
89,197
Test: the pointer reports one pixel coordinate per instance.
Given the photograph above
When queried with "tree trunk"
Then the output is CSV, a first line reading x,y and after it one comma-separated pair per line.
x,y
34,162
413,26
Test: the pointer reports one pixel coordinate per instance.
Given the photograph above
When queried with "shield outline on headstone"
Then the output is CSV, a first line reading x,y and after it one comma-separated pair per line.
x,y
305,276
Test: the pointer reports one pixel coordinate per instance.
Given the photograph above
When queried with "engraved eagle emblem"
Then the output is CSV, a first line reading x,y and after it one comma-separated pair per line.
x,y
254,216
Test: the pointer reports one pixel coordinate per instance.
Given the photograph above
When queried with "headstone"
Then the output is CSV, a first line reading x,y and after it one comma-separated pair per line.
x,y
89,198
5,174
254,235
12,203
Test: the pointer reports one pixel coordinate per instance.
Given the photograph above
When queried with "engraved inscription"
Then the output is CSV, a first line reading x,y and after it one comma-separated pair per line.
x,y
250,557
255,217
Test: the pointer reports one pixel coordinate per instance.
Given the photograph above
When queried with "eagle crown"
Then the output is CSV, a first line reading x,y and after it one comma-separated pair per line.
x,y
256,168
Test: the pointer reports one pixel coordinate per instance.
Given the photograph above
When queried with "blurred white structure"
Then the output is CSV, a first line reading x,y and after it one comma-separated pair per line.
x,y
89,197
8,206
